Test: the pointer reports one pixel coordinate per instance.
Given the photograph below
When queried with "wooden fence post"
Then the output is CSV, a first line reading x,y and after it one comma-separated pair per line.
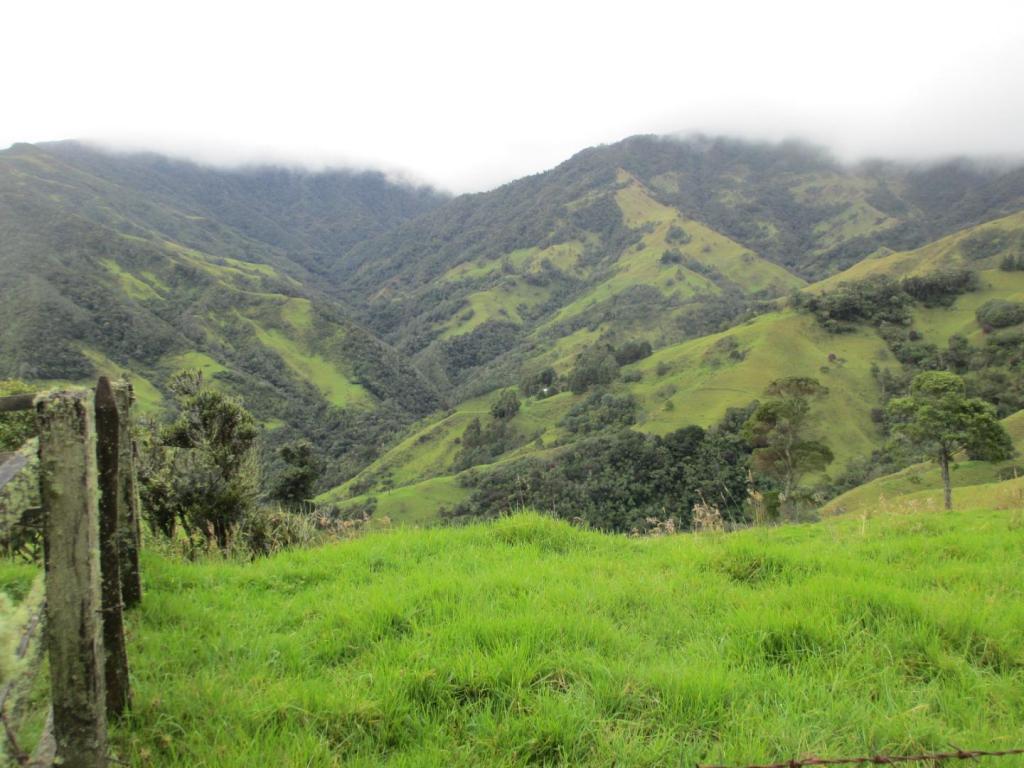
x,y
111,526
129,533
67,454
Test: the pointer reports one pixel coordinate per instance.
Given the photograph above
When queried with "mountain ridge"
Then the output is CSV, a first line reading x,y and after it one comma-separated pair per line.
x,y
344,308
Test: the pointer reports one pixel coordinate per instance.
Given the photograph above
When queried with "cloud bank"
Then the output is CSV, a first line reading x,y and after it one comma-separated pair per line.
x,y
469,95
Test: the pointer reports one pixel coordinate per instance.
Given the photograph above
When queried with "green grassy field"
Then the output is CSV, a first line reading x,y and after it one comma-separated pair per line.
x,y
937,324
529,642
415,504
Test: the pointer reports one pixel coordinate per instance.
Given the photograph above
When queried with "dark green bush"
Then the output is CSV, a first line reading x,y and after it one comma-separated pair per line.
x,y
595,366
506,406
677,235
1000,313
600,411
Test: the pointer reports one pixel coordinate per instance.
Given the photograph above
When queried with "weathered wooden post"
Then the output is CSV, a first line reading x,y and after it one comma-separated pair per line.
x,y
67,458
111,526
130,535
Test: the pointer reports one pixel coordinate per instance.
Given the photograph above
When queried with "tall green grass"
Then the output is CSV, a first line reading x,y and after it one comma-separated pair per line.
x,y
529,642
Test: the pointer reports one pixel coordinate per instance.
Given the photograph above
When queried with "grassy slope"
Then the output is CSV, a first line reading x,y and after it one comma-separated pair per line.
x,y
526,641
938,324
641,265
219,299
941,254
506,299
857,219
975,483
428,451
701,383
280,323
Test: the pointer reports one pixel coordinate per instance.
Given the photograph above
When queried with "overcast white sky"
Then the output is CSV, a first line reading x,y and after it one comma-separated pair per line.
x,y
469,95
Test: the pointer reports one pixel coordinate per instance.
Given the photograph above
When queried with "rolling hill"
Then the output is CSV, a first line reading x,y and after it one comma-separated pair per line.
x,y
695,381
661,238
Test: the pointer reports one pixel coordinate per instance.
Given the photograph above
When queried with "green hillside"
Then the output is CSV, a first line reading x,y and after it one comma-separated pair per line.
x,y
616,259
310,216
790,203
654,237
975,483
379,320
980,247
657,336
96,278
694,382
527,642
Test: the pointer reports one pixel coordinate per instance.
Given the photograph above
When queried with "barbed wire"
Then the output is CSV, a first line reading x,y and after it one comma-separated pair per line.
x,y
934,757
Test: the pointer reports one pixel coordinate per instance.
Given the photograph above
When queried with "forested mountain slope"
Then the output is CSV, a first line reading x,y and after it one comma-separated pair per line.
x,y
97,275
661,238
313,216
793,204
955,304
342,306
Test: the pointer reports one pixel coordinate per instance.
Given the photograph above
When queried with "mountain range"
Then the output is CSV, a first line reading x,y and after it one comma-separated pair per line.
x,y
381,320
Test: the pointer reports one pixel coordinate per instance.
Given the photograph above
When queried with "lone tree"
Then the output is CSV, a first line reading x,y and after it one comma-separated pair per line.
x,y
506,406
202,467
295,483
778,432
938,418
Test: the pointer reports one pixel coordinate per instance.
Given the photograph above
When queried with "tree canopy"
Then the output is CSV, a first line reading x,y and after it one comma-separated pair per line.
x,y
778,429
938,418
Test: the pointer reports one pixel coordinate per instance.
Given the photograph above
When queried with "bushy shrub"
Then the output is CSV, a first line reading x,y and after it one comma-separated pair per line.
x,y
677,235
632,351
599,411
267,530
940,288
15,428
200,470
539,383
875,300
506,406
616,480
1013,262
480,445
595,366
294,482
1000,313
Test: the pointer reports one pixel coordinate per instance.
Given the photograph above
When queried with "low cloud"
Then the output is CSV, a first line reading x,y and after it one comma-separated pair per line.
x,y
468,96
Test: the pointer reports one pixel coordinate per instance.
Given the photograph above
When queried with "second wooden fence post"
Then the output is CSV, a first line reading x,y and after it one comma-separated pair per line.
x,y
129,534
111,526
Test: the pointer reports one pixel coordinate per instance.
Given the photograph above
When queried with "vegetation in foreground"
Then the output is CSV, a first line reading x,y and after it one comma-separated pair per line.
x,y
527,641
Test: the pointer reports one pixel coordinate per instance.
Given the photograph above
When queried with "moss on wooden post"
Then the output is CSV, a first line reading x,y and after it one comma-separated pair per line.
x,y
111,525
67,458
129,530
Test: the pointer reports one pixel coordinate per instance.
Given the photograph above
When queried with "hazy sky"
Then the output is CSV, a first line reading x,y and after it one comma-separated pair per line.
x,y
468,95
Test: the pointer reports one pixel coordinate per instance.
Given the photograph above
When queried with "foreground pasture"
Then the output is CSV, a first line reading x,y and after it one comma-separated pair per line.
x,y
528,642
